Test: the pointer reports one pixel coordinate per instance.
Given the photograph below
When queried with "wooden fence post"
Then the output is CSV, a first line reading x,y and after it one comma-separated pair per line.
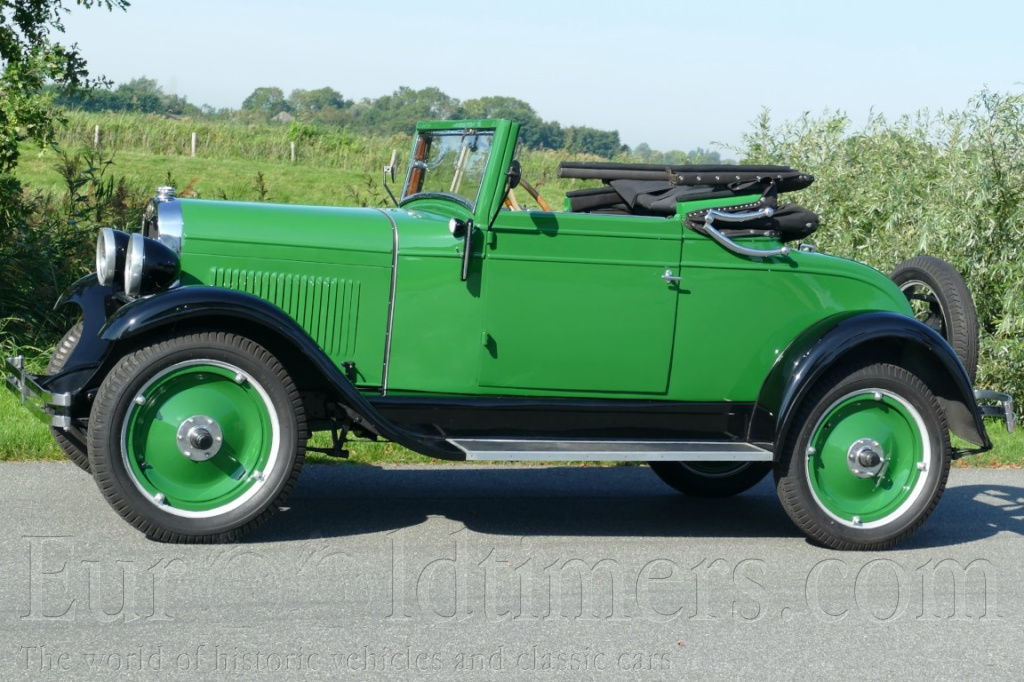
x,y
293,152
193,145
96,138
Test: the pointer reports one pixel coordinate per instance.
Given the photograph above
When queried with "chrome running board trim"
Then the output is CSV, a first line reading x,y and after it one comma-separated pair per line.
x,y
507,449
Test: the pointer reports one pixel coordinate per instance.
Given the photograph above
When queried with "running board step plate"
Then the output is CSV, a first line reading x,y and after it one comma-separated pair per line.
x,y
490,449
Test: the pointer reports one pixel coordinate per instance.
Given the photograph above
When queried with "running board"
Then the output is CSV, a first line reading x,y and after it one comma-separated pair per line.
x,y
505,449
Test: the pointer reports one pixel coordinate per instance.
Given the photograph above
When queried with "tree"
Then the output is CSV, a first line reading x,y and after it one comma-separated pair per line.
x,y
31,247
584,140
643,152
265,102
508,107
399,111
140,94
32,59
535,133
313,102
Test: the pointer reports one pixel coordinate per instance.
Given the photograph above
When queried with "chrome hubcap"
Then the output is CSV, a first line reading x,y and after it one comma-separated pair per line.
x,y
199,438
865,458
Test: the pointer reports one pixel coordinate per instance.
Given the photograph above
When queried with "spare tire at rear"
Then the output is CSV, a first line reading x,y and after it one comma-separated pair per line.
x,y
941,300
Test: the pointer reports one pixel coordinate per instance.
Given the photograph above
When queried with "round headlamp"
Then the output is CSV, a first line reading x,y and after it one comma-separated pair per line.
x,y
149,266
111,247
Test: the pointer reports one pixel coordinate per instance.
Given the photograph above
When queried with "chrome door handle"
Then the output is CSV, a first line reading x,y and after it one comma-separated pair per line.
x,y
669,277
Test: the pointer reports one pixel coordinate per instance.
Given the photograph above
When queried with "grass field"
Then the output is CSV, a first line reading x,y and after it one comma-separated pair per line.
x,y
211,178
147,151
25,438
241,164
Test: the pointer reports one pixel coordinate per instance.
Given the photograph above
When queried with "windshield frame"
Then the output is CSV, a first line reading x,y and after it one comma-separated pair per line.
x,y
453,149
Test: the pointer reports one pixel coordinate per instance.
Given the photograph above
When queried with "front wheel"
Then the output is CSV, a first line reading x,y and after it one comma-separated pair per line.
x,y
197,438
866,460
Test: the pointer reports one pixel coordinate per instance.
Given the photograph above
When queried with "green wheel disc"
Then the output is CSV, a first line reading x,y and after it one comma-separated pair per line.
x,y
880,423
200,438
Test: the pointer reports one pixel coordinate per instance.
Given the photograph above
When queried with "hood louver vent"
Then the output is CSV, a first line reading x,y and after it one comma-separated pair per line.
x,y
326,307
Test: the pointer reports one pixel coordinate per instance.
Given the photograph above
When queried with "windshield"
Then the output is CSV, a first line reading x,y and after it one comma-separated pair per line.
x,y
449,162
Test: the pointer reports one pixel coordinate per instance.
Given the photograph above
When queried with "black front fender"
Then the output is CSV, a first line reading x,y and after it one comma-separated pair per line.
x,y
189,303
890,337
211,307
97,303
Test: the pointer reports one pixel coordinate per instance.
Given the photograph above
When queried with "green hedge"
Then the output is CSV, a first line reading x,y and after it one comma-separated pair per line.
x,y
947,184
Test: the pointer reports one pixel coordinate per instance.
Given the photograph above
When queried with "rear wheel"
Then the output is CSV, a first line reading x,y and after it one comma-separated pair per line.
x,y
866,460
197,438
941,300
711,479
71,441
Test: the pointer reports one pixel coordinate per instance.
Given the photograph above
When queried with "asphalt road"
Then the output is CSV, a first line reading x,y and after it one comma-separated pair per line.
x,y
473,573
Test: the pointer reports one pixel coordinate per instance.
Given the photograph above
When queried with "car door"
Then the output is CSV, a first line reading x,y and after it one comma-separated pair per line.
x,y
577,303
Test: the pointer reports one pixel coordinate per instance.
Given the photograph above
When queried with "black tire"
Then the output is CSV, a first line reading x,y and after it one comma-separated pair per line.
x,y
240,438
711,479
70,441
941,300
854,411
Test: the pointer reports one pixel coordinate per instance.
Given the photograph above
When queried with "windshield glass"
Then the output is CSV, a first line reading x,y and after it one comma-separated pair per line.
x,y
450,162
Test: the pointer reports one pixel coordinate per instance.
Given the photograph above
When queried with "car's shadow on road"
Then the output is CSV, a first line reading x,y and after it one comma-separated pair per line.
x,y
967,513
582,501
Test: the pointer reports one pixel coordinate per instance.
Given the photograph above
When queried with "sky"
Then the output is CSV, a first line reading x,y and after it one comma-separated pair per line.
x,y
676,75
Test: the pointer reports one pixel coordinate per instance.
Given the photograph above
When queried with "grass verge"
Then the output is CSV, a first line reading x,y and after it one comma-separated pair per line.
x,y
23,437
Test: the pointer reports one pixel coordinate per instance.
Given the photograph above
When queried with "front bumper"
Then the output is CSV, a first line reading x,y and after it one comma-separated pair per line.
x,y
1001,409
51,408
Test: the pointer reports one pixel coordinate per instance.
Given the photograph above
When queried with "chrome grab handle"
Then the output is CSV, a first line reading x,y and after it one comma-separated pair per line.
x,y
669,277
738,217
729,244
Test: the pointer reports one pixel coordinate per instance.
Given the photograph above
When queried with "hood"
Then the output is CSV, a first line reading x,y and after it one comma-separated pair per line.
x,y
315,234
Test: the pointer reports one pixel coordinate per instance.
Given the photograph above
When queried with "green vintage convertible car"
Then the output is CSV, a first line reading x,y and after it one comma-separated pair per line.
x,y
667,315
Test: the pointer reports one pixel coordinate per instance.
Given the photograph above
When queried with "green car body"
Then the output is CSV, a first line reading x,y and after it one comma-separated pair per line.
x,y
465,330
556,304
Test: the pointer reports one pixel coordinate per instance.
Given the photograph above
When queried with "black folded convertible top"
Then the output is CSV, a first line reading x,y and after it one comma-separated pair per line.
x,y
786,179
655,189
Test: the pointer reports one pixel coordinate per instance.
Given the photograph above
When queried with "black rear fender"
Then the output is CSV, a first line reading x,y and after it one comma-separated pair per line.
x,y
878,336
